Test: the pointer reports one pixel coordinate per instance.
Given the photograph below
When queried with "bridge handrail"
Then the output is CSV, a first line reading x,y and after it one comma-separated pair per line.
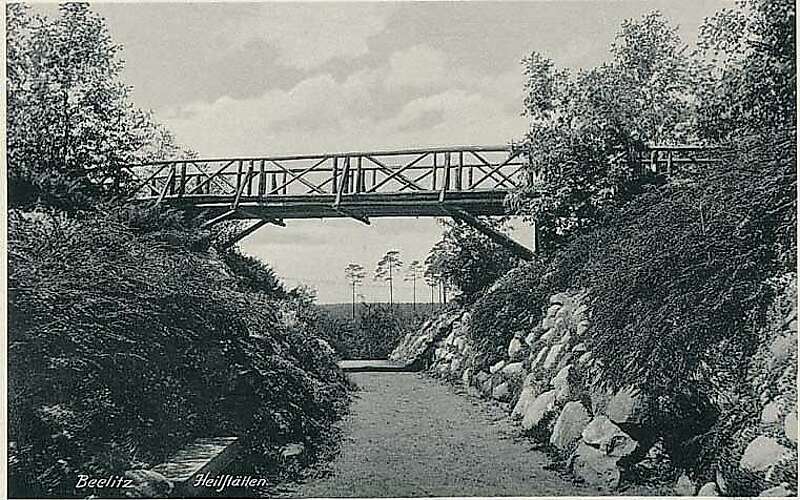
x,y
319,156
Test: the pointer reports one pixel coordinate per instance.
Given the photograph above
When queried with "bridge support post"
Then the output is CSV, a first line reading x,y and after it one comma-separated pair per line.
x,y
493,234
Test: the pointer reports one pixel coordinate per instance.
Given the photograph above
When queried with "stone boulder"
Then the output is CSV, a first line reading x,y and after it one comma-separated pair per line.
x,y
553,356
497,367
782,348
628,408
550,317
562,384
526,397
466,377
517,349
790,426
595,467
292,450
604,435
147,484
512,369
569,425
708,490
771,412
537,361
538,409
559,299
762,453
582,328
684,487
501,392
782,490
533,336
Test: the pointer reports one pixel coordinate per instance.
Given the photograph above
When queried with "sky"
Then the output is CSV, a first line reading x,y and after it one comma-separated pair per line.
x,y
270,78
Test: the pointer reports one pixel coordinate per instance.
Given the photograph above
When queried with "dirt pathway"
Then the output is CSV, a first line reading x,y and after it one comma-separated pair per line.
x,y
409,436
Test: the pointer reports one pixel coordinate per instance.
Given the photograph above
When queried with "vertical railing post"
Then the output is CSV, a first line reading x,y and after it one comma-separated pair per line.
x,y
654,161
460,169
182,185
359,176
446,179
250,180
283,183
346,177
262,179
171,179
335,174
433,168
239,176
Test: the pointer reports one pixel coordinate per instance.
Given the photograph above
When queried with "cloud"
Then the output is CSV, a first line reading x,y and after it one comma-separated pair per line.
x,y
311,34
321,113
417,66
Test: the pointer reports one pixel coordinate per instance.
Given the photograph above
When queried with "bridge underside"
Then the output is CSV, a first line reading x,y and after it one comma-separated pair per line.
x,y
417,204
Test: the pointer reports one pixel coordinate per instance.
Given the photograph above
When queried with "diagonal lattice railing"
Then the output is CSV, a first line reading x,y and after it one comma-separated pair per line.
x,y
461,169
456,169
461,182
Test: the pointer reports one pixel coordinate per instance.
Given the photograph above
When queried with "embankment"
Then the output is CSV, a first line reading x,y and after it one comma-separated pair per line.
x,y
546,374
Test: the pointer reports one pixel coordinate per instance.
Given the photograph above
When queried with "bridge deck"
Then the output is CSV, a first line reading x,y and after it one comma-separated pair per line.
x,y
419,203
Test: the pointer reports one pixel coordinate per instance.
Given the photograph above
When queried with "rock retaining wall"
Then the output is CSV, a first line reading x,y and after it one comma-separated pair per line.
x,y
546,379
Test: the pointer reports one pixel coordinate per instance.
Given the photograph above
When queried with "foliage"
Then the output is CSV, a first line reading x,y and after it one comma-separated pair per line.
x,y
505,310
680,272
377,332
70,123
126,345
585,129
749,73
252,274
468,260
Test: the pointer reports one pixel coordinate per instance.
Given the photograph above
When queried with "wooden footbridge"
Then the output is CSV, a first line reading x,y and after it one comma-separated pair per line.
x,y
462,182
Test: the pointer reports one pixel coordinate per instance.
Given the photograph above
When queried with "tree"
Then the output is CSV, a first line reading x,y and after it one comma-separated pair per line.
x,y
431,281
587,128
467,259
413,272
748,58
386,268
70,123
354,273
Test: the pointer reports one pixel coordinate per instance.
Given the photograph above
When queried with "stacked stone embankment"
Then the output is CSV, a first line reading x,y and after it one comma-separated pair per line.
x,y
547,381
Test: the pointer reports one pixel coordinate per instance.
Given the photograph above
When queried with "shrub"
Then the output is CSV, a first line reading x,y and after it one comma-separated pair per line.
x,y
511,305
125,343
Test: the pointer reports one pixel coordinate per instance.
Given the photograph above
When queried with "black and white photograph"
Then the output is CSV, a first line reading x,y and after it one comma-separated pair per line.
x,y
400,249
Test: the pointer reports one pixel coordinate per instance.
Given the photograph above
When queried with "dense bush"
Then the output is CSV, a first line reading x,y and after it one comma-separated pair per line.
x,y
378,330
125,343
510,306
467,260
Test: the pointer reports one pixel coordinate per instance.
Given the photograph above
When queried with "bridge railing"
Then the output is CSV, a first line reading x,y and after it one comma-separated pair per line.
x,y
456,169
473,168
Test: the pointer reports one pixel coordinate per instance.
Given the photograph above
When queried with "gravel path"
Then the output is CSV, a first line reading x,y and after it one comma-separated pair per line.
x,y
409,436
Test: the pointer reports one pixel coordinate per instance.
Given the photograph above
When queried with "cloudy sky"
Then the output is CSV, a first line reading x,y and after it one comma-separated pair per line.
x,y
256,79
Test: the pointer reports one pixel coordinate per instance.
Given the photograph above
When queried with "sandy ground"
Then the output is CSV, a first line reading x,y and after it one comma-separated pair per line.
x,y
410,436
